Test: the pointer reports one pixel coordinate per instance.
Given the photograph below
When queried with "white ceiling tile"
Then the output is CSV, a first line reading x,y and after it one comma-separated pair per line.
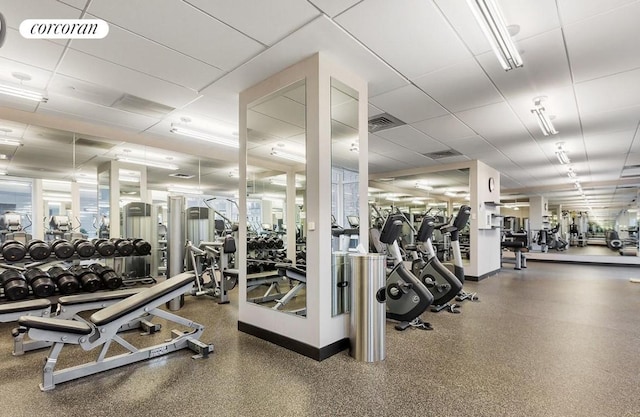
x,y
610,49
412,36
249,17
378,144
409,159
93,112
609,93
204,38
460,87
37,52
226,111
608,144
82,90
611,121
75,3
444,128
17,103
495,122
334,7
574,10
408,104
374,111
471,146
413,139
88,68
149,58
39,77
320,35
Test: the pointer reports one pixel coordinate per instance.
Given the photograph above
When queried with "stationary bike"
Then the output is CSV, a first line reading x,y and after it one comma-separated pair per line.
x,y
459,223
406,297
442,283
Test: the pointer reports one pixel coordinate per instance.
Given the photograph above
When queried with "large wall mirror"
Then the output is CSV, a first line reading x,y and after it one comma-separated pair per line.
x,y
276,214
345,215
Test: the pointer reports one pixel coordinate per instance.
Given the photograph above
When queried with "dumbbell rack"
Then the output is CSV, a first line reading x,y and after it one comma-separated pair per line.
x,y
27,263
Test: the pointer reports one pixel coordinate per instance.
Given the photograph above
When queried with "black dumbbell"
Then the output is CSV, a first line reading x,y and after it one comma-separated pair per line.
x,y
253,244
88,279
14,284
13,251
271,243
40,282
66,282
84,248
62,249
109,277
104,247
38,249
279,243
124,247
262,243
142,247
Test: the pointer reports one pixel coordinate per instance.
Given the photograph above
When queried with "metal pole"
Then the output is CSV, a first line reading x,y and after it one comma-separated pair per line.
x,y
175,243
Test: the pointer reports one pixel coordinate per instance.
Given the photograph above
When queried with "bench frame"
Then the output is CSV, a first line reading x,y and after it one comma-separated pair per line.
x,y
106,334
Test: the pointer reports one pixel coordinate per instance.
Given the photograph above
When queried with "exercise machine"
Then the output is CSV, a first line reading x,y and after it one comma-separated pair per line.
x,y
211,260
442,283
405,295
101,330
11,228
516,242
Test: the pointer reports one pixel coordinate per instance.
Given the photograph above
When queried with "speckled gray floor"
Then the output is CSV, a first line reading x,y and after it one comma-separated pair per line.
x,y
552,340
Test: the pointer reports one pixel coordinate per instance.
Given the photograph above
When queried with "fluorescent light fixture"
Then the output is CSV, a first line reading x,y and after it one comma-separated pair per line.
x,y
10,142
289,156
18,183
283,183
542,118
185,131
450,194
3,172
21,92
417,202
571,173
145,162
562,156
424,186
181,190
490,19
393,198
87,181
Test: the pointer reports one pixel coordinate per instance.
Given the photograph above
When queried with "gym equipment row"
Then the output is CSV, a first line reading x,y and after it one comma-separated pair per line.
x,y
254,243
38,250
214,261
103,326
17,285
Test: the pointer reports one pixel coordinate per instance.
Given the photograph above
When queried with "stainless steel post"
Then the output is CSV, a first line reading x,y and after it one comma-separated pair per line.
x,y
175,243
367,320
340,277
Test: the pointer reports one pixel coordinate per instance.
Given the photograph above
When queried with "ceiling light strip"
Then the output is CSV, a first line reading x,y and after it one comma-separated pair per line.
x,y
490,19
144,162
285,155
23,93
181,130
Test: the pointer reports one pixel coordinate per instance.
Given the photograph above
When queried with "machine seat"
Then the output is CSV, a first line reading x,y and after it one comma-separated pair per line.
x,y
56,325
70,300
24,306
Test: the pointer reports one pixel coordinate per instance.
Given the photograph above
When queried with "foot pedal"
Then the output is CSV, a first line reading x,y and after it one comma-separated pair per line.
x,y
402,326
202,349
148,327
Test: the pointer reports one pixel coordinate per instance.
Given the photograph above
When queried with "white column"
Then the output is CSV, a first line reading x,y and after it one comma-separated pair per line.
x,y
37,210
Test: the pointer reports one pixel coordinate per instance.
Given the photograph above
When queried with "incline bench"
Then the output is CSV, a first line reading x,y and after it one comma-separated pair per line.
x,y
102,329
68,308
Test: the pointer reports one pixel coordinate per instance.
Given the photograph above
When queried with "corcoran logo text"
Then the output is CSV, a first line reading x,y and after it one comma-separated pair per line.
x,y
64,28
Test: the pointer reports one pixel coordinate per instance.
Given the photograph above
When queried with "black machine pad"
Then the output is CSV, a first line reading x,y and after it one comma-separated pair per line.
x,y
56,325
24,306
95,297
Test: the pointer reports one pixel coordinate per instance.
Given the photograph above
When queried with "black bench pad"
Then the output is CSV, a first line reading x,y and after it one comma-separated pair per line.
x,y
56,325
70,300
292,272
514,244
24,306
231,272
129,304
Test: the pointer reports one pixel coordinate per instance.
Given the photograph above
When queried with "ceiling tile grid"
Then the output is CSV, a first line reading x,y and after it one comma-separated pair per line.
x,y
409,104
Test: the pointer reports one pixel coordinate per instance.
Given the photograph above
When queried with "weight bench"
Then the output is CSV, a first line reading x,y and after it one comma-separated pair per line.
x,y
102,329
300,276
69,308
518,247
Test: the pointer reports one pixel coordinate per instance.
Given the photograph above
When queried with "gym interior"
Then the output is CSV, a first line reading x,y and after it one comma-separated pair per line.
x,y
319,207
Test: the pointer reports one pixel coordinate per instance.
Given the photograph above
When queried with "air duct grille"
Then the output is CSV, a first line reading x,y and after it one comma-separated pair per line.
x,y
141,106
442,154
182,175
383,121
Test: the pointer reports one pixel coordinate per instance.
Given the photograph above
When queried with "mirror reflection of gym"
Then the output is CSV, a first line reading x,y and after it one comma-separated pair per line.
x,y
276,215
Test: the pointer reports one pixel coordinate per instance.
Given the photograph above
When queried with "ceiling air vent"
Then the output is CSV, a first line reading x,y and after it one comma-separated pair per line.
x,y
182,175
94,143
383,121
442,154
141,106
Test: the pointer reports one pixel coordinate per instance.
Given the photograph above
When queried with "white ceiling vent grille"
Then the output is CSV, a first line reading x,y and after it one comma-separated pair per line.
x,y
141,106
383,121
442,154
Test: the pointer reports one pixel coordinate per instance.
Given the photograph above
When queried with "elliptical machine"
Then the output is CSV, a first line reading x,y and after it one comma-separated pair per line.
x,y
441,282
406,297
459,223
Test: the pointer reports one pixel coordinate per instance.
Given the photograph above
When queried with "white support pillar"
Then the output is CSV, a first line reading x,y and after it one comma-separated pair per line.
x,y
37,210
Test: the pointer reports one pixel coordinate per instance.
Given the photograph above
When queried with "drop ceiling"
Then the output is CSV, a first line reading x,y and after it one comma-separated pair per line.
x,y
426,61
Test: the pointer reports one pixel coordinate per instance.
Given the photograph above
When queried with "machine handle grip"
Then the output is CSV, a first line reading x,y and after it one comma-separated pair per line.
x,y
343,284
381,295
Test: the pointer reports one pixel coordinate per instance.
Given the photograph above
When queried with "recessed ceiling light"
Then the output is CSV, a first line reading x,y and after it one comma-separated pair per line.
x,y
3,156
21,76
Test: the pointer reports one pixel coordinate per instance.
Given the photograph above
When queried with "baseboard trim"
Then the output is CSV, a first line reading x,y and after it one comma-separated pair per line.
x,y
309,351
481,277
